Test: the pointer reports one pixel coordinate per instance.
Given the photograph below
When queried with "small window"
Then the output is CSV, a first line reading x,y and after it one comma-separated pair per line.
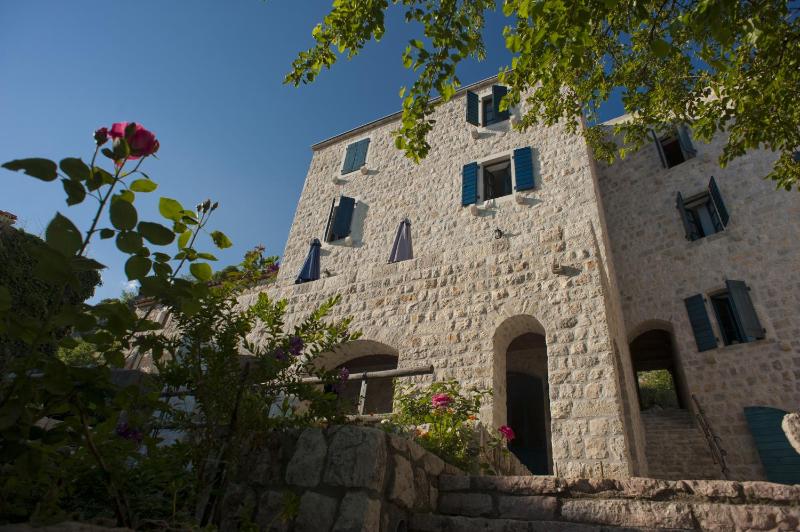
x,y
673,155
496,180
726,318
340,218
703,217
356,156
487,105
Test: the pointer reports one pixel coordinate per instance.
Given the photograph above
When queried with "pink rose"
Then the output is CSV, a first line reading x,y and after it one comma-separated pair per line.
x,y
507,432
142,142
441,400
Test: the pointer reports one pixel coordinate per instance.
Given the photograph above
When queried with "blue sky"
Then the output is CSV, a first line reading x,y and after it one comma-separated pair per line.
x,y
206,77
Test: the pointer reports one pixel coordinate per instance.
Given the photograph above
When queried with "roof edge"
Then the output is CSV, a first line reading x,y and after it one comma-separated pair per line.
x,y
390,117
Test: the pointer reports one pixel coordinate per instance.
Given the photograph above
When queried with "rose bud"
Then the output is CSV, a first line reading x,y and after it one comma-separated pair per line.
x,y
101,136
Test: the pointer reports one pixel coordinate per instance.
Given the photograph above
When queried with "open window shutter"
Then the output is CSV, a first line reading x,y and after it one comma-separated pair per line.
x,y
523,168
716,197
343,217
688,226
350,158
685,140
498,92
659,148
745,314
361,154
473,107
469,184
328,236
701,325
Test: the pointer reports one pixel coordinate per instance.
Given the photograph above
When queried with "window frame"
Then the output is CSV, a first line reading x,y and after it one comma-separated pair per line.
x,y
697,201
713,298
344,155
490,161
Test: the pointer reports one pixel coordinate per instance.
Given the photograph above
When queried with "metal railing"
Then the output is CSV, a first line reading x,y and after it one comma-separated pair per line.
x,y
718,454
365,376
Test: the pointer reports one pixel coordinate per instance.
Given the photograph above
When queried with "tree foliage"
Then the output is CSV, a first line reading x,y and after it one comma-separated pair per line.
x,y
720,65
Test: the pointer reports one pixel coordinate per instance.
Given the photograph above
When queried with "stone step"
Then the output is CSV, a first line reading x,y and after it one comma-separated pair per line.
x,y
457,523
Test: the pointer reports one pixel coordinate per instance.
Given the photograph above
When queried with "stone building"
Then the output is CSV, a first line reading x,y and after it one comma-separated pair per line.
x,y
557,281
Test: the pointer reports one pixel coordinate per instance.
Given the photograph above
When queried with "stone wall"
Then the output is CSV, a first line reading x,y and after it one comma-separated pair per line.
x,y
554,504
345,478
676,447
657,268
465,296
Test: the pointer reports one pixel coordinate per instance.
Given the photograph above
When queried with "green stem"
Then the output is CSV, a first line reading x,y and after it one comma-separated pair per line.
x,y
100,208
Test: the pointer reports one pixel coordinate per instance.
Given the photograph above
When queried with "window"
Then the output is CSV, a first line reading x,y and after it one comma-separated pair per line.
x,y
486,111
356,156
340,218
497,180
725,317
735,313
703,214
674,146
498,177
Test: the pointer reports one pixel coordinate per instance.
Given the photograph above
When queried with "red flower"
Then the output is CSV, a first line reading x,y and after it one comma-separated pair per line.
x,y
441,400
507,432
141,141
101,136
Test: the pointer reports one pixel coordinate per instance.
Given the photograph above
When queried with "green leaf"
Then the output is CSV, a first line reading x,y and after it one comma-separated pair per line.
x,y
143,185
75,191
183,240
201,271
61,234
126,195
123,214
121,149
660,47
161,257
43,169
86,264
162,270
75,168
137,267
129,241
207,256
107,233
170,209
156,233
221,240
5,299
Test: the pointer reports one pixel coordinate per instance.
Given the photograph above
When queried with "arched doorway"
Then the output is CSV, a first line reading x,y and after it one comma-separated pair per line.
x,y
521,352
658,380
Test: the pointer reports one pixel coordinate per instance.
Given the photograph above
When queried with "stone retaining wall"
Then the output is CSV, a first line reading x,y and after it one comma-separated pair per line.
x,y
639,503
344,478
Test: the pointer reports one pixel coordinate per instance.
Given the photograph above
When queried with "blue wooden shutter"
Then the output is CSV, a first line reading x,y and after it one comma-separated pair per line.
x,y
350,158
361,154
744,313
781,462
473,108
343,217
498,92
660,148
688,225
469,184
701,325
685,140
716,197
328,235
523,168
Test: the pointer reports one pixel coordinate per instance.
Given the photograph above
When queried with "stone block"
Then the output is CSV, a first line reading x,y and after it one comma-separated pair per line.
x,y
628,513
316,512
402,490
469,504
528,508
453,482
271,505
356,458
770,492
305,467
358,513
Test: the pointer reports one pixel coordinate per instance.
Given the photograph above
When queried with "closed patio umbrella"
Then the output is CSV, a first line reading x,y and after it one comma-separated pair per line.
x,y
310,269
401,249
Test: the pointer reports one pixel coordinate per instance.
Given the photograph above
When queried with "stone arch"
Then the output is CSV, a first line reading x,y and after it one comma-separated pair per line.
x,y
521,389
361,356
653,348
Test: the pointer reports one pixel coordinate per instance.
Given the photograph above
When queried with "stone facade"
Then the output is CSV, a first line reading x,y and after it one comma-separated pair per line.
x,y
588,259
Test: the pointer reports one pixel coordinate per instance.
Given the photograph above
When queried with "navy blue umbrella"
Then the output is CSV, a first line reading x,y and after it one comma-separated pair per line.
x,y
310,269
401,249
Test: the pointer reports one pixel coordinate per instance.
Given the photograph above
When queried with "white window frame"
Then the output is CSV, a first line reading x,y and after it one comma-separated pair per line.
x,y
483,95
494,159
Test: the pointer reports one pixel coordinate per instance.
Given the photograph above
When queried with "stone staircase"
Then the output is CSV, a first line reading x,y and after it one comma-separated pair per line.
x,y
542,503
676,447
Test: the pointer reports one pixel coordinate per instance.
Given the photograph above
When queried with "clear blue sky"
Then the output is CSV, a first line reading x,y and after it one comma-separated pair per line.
x,y
206,77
